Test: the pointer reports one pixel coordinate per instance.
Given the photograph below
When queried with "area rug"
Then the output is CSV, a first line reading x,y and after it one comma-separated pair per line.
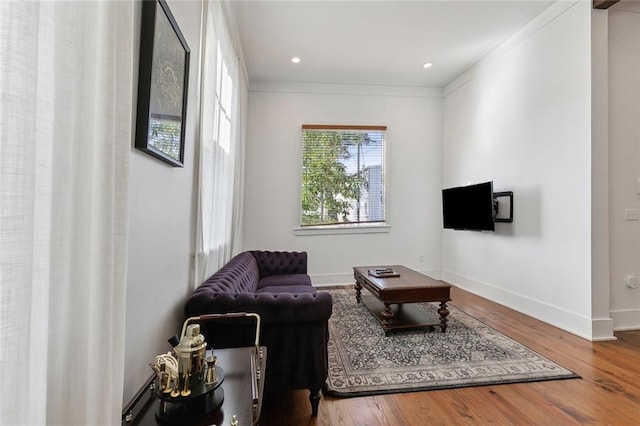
x,y
363,361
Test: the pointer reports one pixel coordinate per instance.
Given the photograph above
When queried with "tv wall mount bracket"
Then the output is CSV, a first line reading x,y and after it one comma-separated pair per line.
x,y
496,203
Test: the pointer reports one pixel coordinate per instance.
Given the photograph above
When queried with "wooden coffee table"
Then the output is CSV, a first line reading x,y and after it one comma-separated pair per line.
x,y
401,291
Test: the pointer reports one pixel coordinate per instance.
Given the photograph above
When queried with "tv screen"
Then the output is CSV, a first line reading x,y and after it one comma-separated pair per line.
x,y
469,207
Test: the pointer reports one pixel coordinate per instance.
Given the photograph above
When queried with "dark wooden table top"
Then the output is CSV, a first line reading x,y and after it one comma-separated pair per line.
x,y
410,286
408,277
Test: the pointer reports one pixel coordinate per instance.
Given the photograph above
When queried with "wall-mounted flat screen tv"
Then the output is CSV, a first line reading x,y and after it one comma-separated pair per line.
x,y
469,207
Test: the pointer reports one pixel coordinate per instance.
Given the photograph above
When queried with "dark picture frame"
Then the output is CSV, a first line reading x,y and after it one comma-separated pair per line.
x,y
163,79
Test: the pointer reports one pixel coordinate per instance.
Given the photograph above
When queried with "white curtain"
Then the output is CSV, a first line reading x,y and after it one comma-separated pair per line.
x,y
221,155
65,125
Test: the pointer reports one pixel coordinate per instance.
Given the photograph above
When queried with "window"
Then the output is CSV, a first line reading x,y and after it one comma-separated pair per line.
x,y
343,175
220,148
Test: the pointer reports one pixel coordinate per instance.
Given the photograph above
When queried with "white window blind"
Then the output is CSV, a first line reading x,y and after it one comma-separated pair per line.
x,y
343,175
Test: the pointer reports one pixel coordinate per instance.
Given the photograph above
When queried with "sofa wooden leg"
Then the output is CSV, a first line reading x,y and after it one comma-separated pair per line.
x,y
314,397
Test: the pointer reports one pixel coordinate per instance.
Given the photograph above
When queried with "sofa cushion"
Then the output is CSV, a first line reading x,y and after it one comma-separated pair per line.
x,y
283,281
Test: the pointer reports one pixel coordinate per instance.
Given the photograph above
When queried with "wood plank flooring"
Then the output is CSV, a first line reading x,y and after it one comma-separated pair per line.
x,y
607,394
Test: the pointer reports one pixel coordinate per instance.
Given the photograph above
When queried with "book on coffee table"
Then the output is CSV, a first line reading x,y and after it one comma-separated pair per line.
x,y
383,273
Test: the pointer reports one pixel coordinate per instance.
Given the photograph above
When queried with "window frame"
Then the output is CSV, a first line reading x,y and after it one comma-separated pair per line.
x,y
348,227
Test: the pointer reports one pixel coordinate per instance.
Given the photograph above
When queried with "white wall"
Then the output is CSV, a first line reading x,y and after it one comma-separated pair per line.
x,y
273,167
161,223
624,153
522,118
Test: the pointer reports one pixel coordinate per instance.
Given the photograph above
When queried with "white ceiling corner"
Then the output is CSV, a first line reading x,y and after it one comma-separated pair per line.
x,y
373,42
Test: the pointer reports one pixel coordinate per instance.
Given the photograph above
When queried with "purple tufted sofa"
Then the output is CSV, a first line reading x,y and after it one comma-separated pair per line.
x,y
294,316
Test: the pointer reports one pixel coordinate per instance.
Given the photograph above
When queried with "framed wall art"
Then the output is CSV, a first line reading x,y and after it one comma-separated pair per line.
x,y
162,85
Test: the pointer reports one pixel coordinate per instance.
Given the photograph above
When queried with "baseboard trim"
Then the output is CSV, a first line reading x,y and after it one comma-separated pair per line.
x,y
626,319
602,330
556,316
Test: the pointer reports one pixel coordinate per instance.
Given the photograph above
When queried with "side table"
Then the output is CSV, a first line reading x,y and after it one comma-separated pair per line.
x,y
243,386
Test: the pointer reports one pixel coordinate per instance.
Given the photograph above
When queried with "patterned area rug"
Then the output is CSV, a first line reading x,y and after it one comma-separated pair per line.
x,y
362,361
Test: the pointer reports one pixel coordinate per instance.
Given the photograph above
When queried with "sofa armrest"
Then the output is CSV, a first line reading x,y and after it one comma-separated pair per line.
x,y
280,262
272,307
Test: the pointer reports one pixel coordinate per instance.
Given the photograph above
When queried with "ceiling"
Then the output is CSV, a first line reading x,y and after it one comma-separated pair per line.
x,y
374,42
627,6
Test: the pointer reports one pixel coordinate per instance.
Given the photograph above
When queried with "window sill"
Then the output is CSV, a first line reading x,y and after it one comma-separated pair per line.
x,y
342,229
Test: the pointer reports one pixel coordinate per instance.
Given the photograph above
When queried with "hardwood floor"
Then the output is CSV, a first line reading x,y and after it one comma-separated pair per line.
x,y
607,394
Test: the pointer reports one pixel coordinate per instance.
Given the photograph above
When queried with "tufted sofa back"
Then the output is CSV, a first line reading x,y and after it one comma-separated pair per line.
x,y
279,263
240,275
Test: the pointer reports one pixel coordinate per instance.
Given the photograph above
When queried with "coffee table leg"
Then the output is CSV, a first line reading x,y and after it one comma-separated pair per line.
x,y
358,290
387,316
444,312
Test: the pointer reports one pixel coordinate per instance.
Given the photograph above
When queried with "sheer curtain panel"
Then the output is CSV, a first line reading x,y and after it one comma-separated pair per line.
x,y
65,123
221,147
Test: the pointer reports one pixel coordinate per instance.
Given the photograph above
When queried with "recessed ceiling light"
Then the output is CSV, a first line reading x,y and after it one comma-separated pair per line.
x,y
295,60
427,65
